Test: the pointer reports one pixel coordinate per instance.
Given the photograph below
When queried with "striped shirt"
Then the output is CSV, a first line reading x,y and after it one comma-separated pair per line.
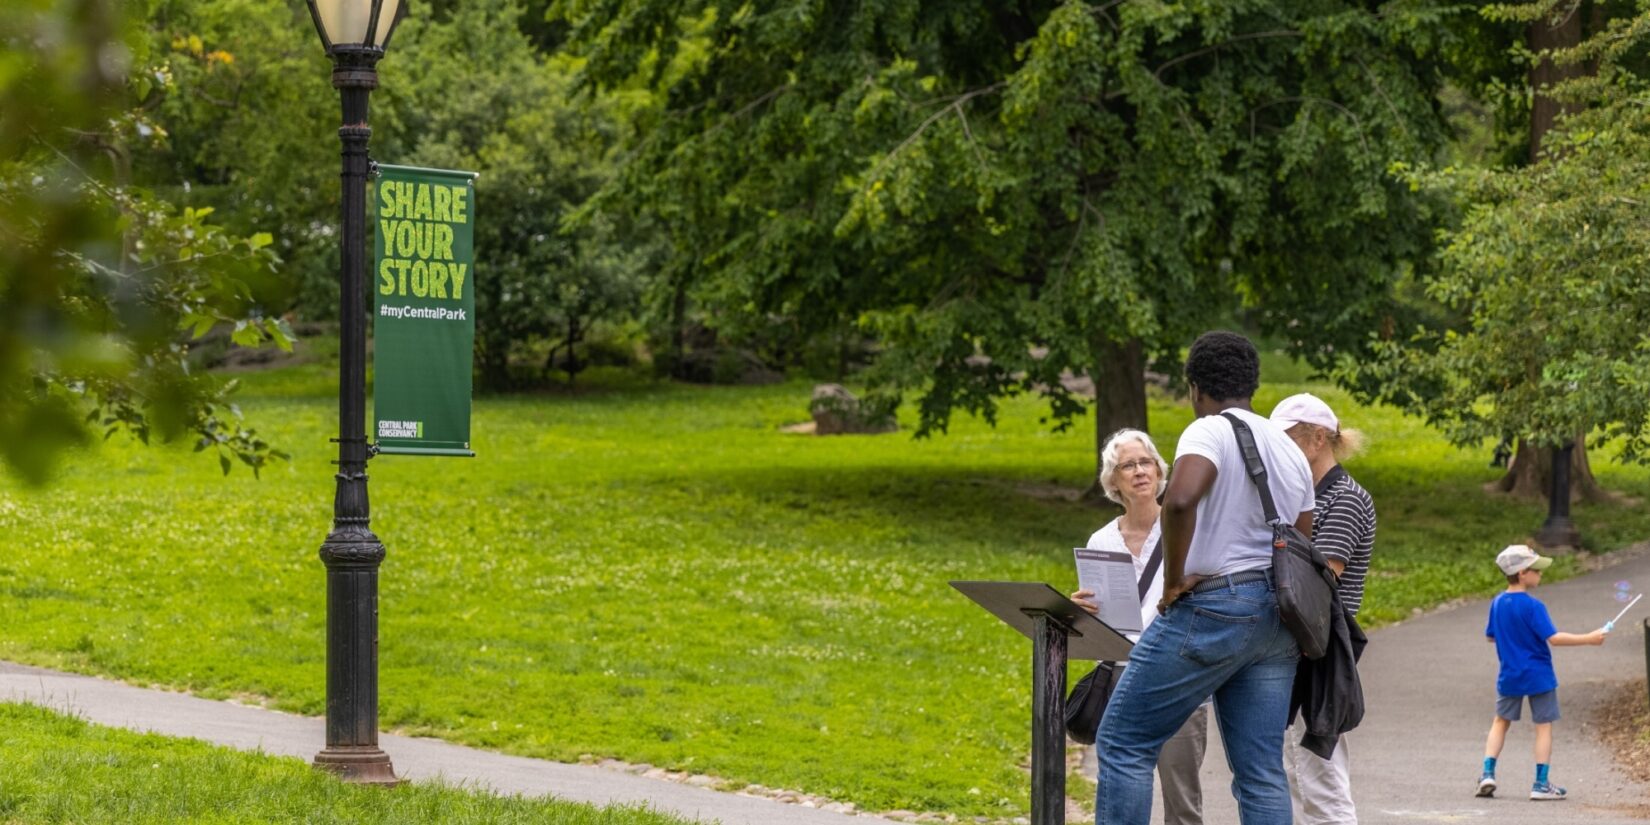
x,y
1343,529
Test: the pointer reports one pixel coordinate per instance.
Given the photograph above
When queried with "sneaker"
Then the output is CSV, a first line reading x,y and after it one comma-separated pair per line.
x,y
1546,790
1486,785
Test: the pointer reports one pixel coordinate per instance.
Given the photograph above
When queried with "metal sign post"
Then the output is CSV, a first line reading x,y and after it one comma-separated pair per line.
x,y
1058,629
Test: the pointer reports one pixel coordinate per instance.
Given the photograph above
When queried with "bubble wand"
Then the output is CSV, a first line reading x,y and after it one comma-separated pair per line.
x,y
1611,625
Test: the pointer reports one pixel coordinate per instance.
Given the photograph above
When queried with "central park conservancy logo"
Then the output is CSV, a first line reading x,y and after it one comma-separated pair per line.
x,y
400,429
415,223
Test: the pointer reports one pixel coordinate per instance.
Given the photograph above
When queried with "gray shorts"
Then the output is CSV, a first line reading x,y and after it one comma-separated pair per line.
x,y
1543,707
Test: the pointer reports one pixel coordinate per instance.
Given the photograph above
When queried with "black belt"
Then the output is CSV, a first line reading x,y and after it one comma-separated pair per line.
x,y
1217,582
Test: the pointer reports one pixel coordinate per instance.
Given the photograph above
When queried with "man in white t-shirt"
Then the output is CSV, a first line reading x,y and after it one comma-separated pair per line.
x,y
1219,634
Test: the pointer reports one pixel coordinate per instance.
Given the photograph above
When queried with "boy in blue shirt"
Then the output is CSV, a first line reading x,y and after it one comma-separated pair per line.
x,y
1521,630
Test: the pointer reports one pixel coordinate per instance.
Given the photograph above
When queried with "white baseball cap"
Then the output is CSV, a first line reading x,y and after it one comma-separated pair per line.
x,y
1519,558
1305,408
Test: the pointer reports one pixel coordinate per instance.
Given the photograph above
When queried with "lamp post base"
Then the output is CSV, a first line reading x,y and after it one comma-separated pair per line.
x,y
1557,534
1558,531
358,765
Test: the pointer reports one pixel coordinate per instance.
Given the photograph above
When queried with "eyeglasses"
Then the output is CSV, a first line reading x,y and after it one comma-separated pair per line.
x,y
1137,464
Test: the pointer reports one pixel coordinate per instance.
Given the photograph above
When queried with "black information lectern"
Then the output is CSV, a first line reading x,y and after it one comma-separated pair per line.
x,y
1058,629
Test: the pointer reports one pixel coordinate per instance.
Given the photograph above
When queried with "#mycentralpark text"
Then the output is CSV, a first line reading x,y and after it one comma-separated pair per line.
x,y
439,314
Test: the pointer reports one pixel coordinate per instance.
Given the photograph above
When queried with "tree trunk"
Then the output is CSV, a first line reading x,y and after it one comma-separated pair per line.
x,y
495,368
843,341
678,329
1119,375
1530,474
549,361
1544,111
574,335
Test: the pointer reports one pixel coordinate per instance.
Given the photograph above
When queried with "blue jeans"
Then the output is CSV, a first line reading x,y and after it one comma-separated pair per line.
x,y
1226,642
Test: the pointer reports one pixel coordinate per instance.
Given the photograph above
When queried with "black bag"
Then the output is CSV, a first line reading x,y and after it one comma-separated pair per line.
x,y
1305,585
1087,702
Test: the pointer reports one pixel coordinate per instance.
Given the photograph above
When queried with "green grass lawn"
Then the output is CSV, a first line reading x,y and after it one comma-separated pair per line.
x,y
59,769
655,573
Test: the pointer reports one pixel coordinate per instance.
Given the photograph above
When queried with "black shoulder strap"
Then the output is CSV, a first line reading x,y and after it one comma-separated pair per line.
x,y
1336,473
1152,563
1257,469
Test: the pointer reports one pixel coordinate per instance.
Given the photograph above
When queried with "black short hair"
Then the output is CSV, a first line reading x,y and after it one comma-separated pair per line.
x,y
1513,578
1223,366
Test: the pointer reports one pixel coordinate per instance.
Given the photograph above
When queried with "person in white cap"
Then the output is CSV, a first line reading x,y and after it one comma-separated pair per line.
x,y
1343,523
1343,530
1521,631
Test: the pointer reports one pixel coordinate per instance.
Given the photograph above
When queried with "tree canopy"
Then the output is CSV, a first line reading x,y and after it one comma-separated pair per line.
x,y
976,200
103,281
541,154
1545,263
1002,193
250,121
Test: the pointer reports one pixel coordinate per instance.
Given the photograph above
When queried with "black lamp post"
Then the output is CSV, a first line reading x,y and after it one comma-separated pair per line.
x,y
1558,530
354,33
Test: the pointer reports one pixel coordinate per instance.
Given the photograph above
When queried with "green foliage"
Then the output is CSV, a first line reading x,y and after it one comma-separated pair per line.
x,y
540,153
1546,265
103,283
60,769
250,123
1024,181
254,138
1488,64
655,572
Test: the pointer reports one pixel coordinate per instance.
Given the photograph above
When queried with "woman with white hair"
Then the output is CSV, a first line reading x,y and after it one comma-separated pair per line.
x,y
1343,530
1133,474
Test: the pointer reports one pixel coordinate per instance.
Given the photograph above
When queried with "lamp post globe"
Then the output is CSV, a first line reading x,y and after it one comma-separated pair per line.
x,y
354,34
345,23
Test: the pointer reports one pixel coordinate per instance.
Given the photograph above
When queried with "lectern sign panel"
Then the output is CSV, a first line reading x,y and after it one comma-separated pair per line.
x,y
424,323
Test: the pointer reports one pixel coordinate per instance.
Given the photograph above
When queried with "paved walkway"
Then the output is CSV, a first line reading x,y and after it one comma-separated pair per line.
x,y
282,734
1429,685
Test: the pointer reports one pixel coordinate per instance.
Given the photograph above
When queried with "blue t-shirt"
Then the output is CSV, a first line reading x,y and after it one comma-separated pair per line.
x,y
1520,626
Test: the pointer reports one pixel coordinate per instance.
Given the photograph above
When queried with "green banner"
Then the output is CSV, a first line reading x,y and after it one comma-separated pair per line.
x,y
424,325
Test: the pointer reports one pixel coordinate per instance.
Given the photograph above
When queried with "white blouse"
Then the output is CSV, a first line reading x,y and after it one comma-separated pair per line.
x,y
1110,538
